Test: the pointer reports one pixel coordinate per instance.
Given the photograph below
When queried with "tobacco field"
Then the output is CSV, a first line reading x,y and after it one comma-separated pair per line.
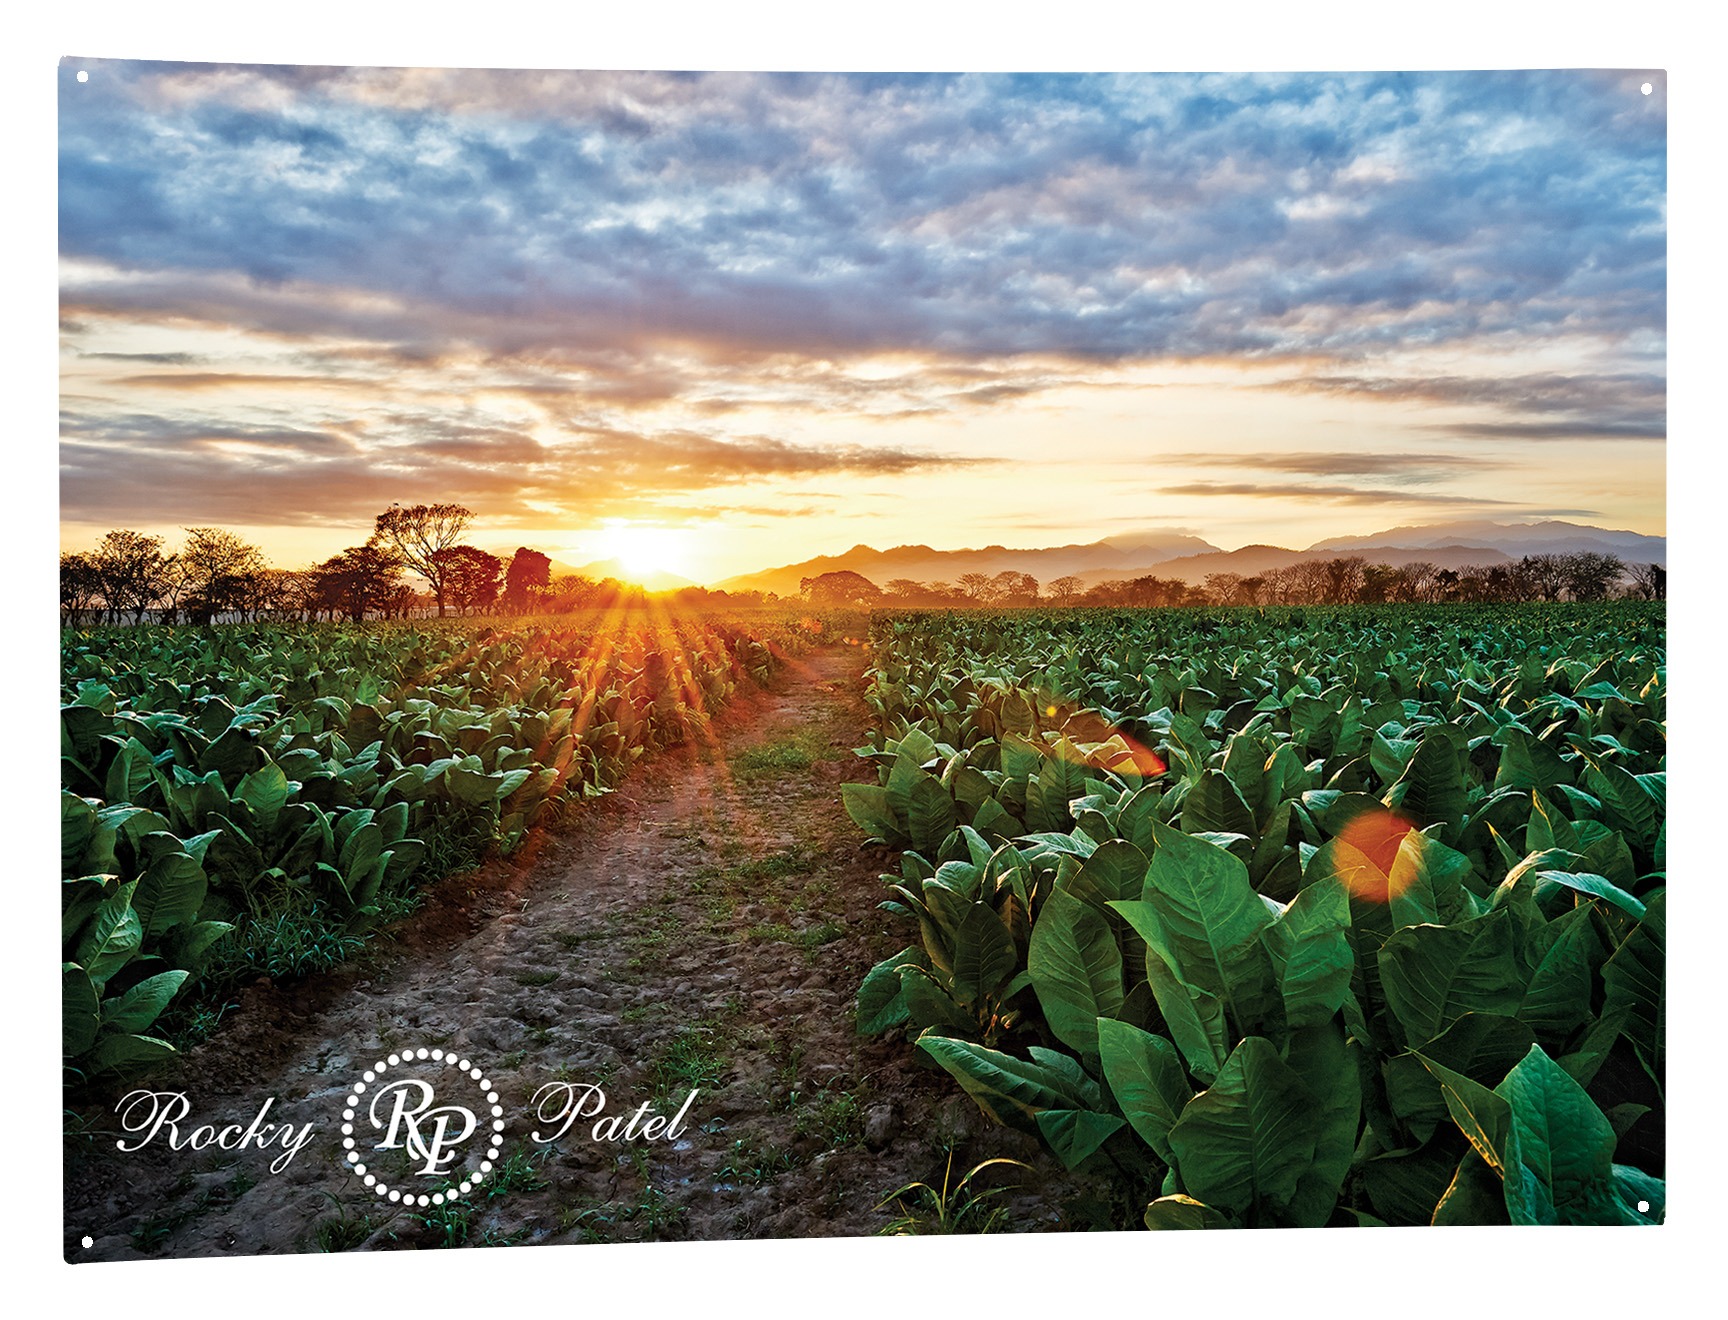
x,y
1288,917
254,800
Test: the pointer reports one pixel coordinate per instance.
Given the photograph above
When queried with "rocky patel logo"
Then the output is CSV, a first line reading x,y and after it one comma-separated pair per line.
x,y
422,1127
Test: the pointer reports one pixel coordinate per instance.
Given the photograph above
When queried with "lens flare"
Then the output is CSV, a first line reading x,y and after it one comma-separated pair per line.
x,y
1377,834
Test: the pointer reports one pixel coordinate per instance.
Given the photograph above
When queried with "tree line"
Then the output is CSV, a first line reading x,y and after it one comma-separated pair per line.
x,y
131,577
1345,580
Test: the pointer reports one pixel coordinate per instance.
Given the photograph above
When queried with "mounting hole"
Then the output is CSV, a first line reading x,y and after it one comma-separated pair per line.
x,y
1646,89
1643,1209
83,76
87,1242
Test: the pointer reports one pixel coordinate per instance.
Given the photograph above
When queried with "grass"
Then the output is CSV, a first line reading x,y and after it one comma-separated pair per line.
x,y
957,1207
793,753
533,979
756,1162
694,1059
836,1117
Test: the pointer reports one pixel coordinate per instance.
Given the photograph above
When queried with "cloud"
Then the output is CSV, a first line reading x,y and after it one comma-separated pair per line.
x,y
1421,468
1107,218
200,470
1330,494
1628,406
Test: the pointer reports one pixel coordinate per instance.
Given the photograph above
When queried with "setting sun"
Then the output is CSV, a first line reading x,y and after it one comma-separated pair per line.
x,y
646,548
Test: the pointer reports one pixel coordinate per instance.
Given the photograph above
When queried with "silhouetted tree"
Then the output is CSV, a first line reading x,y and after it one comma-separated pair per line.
x,y
1064,590
1590,575
362,579
1649,581
527,578
840,588
80,587
129,567
216,563
421,534
473,577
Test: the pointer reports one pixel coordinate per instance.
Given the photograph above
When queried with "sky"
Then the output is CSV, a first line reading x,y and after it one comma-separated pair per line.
x,y
736,320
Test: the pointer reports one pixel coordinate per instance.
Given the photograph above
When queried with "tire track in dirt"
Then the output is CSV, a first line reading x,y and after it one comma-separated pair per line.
x,y
704,927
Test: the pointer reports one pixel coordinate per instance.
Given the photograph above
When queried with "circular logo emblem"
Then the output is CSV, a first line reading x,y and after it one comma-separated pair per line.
x,y
422,1127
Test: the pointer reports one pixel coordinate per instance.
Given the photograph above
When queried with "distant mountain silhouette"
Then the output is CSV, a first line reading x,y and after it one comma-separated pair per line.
x,y
1168,555
922,564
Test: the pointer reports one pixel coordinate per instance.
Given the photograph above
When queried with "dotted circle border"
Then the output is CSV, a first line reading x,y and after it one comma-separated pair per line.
x,y
351,1155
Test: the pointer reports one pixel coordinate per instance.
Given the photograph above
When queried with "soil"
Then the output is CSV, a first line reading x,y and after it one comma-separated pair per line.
x,y
705,927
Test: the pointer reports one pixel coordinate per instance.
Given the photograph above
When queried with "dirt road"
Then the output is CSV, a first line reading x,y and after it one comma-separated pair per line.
x,y
705,928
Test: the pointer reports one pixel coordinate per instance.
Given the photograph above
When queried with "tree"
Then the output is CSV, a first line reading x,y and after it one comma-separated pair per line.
x,y
473,577
1546,575
363,578
1011,588
420,534
1649,581
1064,589
129,567
975,586
840,588
216,563
79,586
529,575
1589,575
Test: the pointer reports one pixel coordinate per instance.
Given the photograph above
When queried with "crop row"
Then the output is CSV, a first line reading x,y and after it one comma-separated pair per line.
x,y
1289,918
255,798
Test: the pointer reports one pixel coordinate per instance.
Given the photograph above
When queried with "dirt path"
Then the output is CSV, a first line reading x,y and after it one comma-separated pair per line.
x,y
704,928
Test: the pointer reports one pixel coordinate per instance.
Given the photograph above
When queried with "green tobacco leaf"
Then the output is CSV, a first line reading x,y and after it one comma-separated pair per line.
x,y
1214,804
930,816
1146,1077
928,1004
1482,1046
77,828
125,1053
1116,872
143,1003
1205,919
1526,762
1311,953
1636,981
1327,1066
880,1003
111,937
1076,1134
1482,1115
1174,1212
1431,789
1195,1018
1596,886
1076,970
1427,883
1010,1090
130,773
169,893
1475,1196
1244,1143
79,1007
1557,1001
265,791
983,955
1433,975
1559,1149
867,804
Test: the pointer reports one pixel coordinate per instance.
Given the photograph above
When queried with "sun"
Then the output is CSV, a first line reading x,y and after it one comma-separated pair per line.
x,y
646,547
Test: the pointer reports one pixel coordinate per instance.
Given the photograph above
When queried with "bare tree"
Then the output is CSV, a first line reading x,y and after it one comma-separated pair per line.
x,y
1649,581
421,534
1590,575
1064,589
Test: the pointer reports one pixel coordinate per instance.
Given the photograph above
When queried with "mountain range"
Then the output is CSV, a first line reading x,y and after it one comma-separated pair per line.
x,y
1447,544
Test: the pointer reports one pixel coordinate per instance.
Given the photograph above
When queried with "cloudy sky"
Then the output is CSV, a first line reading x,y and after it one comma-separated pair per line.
x,y
779,315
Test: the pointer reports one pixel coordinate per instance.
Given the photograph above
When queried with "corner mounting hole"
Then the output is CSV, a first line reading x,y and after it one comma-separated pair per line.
x,y
1646,88
85,77
1643,1207
88,1241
